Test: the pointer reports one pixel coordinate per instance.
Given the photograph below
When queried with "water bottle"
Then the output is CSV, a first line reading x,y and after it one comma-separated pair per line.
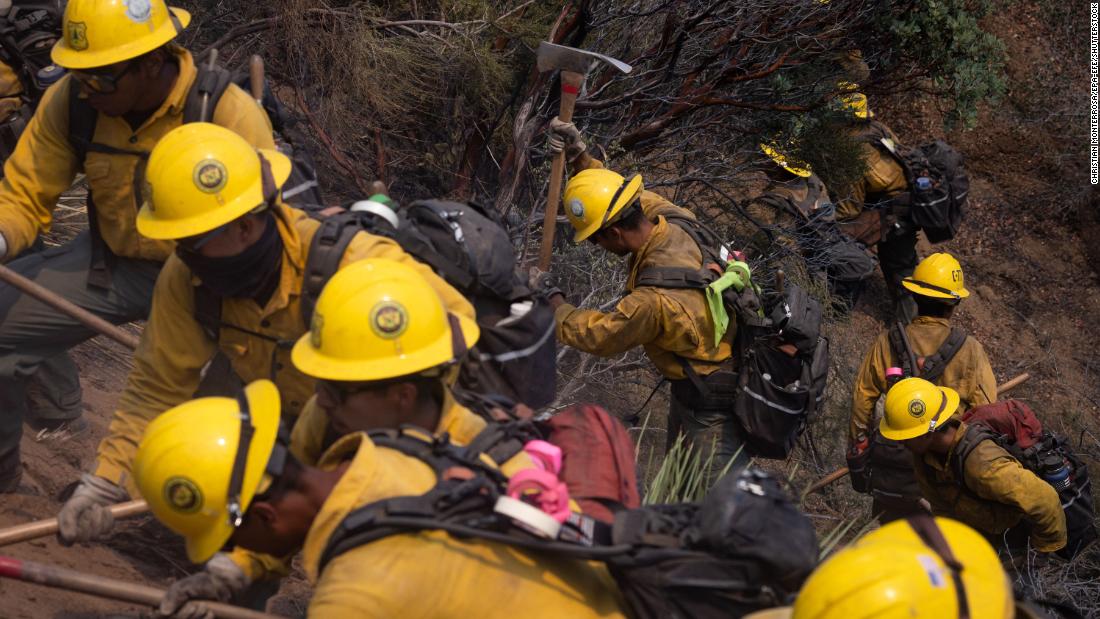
x,y
924,183
1055,470
49,75
893,375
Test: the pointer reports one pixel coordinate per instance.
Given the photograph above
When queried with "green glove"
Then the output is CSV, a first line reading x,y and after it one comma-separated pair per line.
x,y
738,275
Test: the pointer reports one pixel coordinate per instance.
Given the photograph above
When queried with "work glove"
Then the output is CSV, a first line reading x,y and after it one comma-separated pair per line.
x,y
86,515
543,283
220,581
565,136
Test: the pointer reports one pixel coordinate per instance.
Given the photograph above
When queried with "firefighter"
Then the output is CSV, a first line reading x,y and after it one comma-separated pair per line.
x,y
210,485
233,285
942,353
965,475
673,325
865,208
127,84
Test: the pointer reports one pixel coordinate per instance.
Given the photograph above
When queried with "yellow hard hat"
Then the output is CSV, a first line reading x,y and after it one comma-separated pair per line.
x,y
378,319
594,197
201,176
854,100
939,276
97,33
914,407
186,460
892,574
796,168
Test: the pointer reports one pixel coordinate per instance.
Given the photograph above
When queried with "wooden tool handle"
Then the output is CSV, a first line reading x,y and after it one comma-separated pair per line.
x,y
570,88
1012,384
42,528
61,304
72,580
256,77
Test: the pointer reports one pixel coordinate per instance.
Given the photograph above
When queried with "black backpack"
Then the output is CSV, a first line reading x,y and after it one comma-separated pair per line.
x,y
28,32
1050,454
938,208
746,547
777,394
885,468
465,245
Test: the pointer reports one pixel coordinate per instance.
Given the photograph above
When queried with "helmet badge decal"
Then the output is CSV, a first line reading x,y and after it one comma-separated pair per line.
x,y
76,32
576,207
210,176
139,11
182,495
916,407
389,319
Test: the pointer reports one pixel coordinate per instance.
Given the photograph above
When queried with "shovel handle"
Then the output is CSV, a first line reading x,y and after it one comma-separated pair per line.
x,y
66,306
256,78
570,88
42,528
73,580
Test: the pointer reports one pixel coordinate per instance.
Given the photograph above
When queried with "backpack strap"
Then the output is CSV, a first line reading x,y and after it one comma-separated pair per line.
x,y
210,84
975,434
903,350
935,364
929,532
82,123
675,277
326,250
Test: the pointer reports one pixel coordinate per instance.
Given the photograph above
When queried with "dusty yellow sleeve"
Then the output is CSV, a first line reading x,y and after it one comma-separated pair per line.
x,y
238,111
258,566
307,437
994,475
372,246
870,384
167,368
42,166
635,321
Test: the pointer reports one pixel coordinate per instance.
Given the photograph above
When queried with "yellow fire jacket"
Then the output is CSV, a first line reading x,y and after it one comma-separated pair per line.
x,y
431,574
666,322
999,493
884,177
307,444
44,164
968,372
174,347
776,209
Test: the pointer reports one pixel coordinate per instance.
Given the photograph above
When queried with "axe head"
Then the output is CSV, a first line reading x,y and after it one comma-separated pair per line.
x,y
552,56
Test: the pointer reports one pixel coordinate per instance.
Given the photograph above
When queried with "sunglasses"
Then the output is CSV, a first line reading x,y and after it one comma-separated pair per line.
x,y
340,392
102,83
193,244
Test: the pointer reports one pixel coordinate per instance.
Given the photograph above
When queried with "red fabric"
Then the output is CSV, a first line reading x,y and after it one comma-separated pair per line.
x,y
597,459
1010,417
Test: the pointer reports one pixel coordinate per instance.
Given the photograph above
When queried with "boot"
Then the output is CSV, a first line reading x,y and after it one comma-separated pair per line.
x,y
11,472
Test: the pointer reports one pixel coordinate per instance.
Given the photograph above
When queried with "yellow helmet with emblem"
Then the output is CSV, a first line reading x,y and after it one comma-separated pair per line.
x,y
201,176
595,197
939,276
188,471
97,33
797,168
854,101
378,319
915,407
892,573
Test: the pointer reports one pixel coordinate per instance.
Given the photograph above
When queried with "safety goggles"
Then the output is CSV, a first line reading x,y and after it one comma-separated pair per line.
x,y
102,83
340,392
936,418
193,244
954,295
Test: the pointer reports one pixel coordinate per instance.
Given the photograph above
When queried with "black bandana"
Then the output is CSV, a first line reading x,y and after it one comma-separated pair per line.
x,y
253,273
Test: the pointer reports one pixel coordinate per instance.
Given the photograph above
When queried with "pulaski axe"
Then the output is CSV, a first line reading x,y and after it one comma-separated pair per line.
x,y
574,65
